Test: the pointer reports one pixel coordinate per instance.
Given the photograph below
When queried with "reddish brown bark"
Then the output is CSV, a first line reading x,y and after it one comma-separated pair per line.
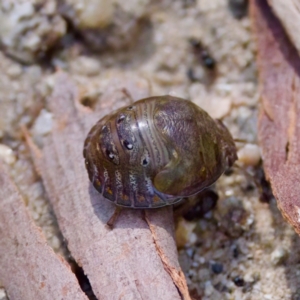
x,y
279,122
29,269
288,11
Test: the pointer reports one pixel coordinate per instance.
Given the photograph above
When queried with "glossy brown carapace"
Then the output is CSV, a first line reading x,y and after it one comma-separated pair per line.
x,y
156,151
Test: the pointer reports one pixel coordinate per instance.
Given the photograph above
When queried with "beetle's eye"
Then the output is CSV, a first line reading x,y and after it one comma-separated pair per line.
x,y
121,118
110,155
145,162
145,159
128,145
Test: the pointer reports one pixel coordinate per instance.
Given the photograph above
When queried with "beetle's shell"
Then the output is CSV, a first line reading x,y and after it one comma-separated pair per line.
x,y
156,151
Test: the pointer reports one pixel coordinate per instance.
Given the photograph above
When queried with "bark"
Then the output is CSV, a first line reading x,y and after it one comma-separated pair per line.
x,y
288,11
279,122
123,263
29,269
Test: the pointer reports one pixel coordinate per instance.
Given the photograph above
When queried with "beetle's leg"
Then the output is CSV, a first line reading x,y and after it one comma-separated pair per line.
x,y
110,223
127,95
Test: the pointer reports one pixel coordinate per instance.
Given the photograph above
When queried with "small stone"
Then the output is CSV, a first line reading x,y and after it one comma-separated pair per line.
x,y
32,43
7,154
35,216
278,256
201,260
249,155
203,274
163,77
27,33
195,264
184,261
235,251
217,268
238,8
193,238
238,281
55,243
136,8
216,107
184,233
43,123
86,66
218,253
96,14
2,294
14,71
232,216
201,204
190,252
191,273
209,289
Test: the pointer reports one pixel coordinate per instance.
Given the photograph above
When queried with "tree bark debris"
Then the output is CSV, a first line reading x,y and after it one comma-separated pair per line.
x,y
288,11
29,269
279,122
122,263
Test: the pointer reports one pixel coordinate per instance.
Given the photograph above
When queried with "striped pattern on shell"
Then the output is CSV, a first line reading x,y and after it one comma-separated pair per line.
x,y
156,151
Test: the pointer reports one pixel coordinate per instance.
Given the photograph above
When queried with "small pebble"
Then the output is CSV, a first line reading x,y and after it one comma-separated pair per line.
x,y
14,71
195,264
96,14
203,274
55,242
238,281
191,273
202,204
7,154
235,252
218,253
163,77
184,233
190,252
2,294
86,66
232,216
43,123
217,268
249,155
238,8
209,289
201,260
278,256
193,239
209,104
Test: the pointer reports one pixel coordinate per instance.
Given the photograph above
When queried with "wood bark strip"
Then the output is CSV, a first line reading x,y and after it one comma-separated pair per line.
x,y
121,263
288,11
163,248
29,269
279,121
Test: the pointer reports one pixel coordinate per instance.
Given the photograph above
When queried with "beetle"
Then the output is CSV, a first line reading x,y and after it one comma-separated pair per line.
x,y
156,151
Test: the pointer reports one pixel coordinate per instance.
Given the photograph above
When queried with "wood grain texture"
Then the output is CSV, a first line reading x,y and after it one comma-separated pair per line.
x,y
122,263
288,12
29,269
279,122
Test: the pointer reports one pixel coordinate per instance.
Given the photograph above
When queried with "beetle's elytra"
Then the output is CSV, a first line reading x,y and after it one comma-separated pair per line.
x,y
156,151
